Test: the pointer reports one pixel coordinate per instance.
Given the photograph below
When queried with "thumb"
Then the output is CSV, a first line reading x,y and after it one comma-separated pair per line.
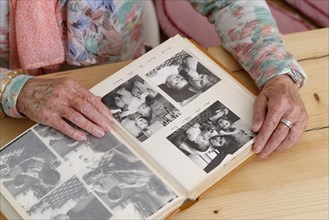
x,y
260,109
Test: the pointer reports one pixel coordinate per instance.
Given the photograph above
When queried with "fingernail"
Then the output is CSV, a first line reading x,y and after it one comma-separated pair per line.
x,y
108,127
256,149
254,128
100,132
81,137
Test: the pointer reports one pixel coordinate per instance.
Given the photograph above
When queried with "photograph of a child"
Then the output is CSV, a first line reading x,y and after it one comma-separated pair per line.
x,y
29,173
126,185
141,110
211,136
183,78
70,201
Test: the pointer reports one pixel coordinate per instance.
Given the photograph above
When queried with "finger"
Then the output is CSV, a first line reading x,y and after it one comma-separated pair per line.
x,y
68,130
82,122
260,108
271,122
295,133
99,105
105,115
278,136
90,112
103,110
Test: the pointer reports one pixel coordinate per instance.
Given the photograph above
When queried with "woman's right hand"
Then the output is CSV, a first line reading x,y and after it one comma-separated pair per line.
x,y
50,101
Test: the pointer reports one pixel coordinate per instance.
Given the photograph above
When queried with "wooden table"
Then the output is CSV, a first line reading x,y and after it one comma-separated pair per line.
x,y
288,185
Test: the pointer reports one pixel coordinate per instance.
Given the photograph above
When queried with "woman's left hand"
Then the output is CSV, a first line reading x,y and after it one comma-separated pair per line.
x,y
279,99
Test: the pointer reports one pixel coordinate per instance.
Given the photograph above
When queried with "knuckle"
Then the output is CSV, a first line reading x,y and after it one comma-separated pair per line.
x,y
77,103
66,81
282,101
65,112
290,140
91,98
281,135
87,110
88,126
294,109
77,118
56,95
45,116
100,121
270,125
66,129
99,107
262,140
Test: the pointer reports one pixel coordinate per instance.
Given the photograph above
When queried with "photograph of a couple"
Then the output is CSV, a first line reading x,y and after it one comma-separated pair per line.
x,y
29,173
211,136
140,109
183,77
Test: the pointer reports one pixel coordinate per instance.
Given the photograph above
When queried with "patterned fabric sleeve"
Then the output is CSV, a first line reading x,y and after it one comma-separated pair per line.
x,y
9,97
4,34
10,94
249,32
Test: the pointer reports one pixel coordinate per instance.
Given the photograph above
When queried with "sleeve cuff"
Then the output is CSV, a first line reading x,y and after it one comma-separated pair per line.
x,y
290,66
10,95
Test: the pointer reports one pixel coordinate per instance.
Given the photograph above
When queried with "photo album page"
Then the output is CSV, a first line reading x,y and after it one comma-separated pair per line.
x,y
181,122
180,109
46,175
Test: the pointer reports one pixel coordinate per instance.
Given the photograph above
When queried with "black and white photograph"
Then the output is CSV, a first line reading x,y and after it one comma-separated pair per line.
x,y
77,154
70,201
183,78
30,172
126,185
211,136
54,138
141,110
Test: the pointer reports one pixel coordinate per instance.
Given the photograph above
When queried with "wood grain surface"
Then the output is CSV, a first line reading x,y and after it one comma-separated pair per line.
x,y
288,185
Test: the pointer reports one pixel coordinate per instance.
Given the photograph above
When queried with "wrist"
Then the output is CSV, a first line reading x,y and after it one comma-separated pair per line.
x,y
11,95
297,77
7,78
291,75
280,82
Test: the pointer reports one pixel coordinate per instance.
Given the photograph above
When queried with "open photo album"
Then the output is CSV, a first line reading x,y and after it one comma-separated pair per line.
x,y
181,124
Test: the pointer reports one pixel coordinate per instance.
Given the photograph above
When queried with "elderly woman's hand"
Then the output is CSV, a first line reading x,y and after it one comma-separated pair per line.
x,y
279,99
50,101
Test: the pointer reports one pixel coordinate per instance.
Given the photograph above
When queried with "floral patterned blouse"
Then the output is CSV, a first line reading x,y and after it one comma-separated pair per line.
x,y
246,29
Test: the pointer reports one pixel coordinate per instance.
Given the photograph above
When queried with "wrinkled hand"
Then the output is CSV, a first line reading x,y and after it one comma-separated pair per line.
x,y
50,101
278,99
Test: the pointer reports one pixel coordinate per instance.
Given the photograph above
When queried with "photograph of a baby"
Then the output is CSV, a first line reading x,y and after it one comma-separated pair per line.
x,y
141,110
183,78
211,136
